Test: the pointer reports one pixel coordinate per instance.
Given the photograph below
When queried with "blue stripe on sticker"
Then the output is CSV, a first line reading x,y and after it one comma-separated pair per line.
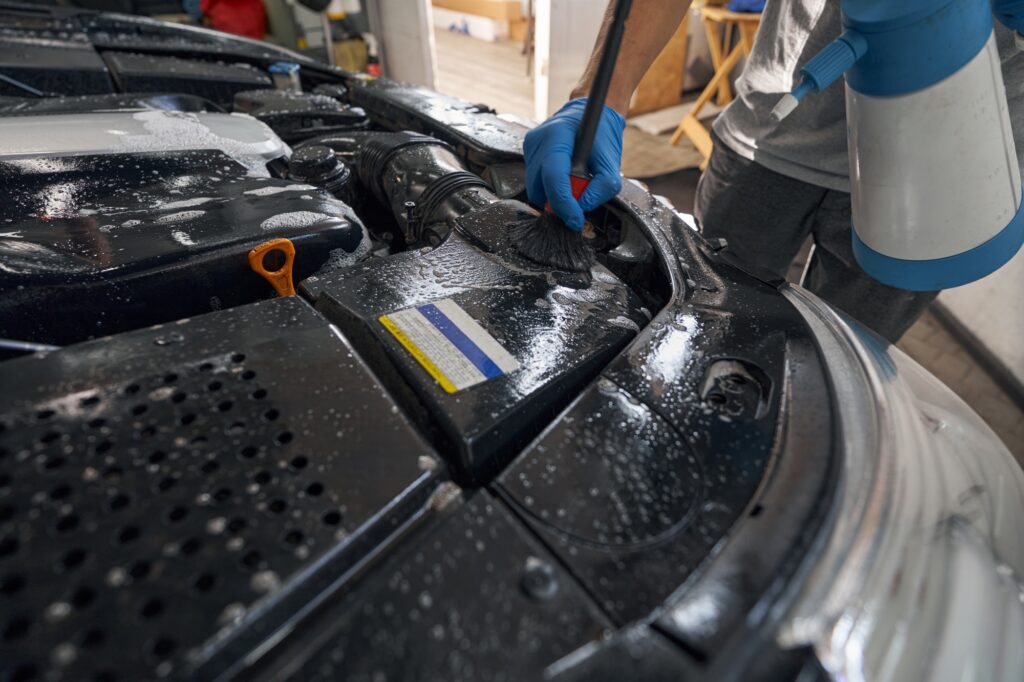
x,y
460,340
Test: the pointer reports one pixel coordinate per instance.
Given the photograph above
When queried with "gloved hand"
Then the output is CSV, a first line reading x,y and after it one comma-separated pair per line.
x,y
548,150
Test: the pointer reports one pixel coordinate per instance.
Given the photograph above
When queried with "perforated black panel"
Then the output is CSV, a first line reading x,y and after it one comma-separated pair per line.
x,y
180,477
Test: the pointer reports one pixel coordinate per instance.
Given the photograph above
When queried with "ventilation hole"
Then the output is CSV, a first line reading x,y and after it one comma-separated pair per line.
x,y
104,676
131,389
7,512
262,477
225,405
191,546
60,492
293,537
170,378
238,357
140,409
315,489
89,401
258,394
67,523
8,546
214,386
209,467
128,534
12,584
49,437
332,518
24,673
222,494
198,440
271,415
119,501
152,608
157,456
717,398
112,472
163,647
16,628
140,569
73,558
299,462
96,423
204,582
166,483
284,438
55,462
178,397
103,446
44,414
206,367
148,431
252,559
93,639
177,514
83,597
248,375
187,419
236,525
249,451
5,480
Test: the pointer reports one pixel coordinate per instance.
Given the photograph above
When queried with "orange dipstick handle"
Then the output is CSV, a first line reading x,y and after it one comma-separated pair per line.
x,y
281,279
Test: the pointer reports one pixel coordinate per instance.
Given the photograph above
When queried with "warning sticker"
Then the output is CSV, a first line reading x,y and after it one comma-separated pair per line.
x,y
449,344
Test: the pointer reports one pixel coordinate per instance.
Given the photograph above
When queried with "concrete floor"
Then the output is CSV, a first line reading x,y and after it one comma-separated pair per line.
x,y
495,74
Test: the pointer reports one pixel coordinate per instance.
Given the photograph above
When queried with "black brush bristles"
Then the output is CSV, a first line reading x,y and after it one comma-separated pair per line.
x,y
547,241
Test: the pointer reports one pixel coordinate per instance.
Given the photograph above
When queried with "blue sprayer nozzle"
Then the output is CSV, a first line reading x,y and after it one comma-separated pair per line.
x,y
826,66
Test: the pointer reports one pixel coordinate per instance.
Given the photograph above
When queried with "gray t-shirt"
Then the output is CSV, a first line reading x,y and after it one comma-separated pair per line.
x,y
810,144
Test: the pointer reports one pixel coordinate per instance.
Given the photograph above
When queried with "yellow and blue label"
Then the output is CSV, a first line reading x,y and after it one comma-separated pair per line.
x,y
449,344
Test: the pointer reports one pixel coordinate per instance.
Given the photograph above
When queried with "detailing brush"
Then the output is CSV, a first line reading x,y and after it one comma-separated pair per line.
x,y
547,240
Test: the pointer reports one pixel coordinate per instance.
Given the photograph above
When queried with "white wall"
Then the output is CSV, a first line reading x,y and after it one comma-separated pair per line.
x,y
406,39
993,310
565,34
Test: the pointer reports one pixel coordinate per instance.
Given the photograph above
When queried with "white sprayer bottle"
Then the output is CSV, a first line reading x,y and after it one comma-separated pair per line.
x,y
935,184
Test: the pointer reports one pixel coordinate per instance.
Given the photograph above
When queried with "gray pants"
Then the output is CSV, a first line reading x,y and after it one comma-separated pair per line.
x,y
766,217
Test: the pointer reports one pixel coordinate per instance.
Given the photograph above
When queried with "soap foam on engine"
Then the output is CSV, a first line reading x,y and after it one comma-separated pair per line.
x,y
294,219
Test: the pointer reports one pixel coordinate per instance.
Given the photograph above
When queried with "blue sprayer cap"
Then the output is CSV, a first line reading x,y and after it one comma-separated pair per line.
x,y
893,48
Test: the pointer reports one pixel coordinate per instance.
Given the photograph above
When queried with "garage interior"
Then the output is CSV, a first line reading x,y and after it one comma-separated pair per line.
x,y
306,373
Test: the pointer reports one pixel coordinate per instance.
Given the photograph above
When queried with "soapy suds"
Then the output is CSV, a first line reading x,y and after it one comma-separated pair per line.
x,y
294,219
624,322
184,203
267,191
179,217
166,130
182,238
130,223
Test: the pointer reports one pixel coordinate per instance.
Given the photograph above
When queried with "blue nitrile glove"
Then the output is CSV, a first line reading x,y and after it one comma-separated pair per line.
x,y
548,151
1010,13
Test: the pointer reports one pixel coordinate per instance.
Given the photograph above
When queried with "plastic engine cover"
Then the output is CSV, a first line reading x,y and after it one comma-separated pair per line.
x,y
106,232
560,328
157,486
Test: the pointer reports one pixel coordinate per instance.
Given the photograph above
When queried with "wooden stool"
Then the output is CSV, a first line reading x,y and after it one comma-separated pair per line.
x,y
715,17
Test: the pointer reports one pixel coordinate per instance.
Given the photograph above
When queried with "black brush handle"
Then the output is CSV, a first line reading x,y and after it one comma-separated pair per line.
x,y
599,89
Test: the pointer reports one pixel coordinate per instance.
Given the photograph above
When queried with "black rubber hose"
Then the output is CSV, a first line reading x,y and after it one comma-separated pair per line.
x,y
421,179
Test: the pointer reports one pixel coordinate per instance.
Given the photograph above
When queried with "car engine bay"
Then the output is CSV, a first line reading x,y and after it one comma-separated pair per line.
x,y
256,486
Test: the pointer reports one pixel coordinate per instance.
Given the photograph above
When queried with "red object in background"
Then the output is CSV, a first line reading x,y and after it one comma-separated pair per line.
x,y
242,17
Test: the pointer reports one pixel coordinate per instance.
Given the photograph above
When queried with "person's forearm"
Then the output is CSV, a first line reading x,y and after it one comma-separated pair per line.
x,y
651,24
